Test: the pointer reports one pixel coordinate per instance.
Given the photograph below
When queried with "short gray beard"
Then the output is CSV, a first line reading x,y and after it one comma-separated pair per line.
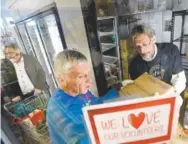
x,y
151,58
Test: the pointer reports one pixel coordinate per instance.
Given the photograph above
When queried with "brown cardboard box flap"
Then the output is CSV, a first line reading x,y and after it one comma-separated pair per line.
x,y
146,85
133,89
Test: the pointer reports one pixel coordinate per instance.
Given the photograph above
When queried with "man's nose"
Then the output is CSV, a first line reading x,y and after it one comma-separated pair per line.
x,y
89,79
142,50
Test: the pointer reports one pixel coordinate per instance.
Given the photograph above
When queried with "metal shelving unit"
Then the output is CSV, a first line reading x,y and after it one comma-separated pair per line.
x,y
110,50
105,17
107,46
106,33
110,60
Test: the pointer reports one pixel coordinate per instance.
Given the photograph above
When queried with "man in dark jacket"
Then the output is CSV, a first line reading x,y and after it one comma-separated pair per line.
x,y
30,74
159,60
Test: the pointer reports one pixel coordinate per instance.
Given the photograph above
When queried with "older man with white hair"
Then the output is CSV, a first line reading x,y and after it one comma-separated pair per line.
x,y
64,112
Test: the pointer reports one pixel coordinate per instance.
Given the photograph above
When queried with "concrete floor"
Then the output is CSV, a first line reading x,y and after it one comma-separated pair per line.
x,y
178,140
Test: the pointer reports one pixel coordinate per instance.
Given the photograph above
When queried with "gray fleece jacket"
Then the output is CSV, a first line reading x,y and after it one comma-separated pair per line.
x,y
35,71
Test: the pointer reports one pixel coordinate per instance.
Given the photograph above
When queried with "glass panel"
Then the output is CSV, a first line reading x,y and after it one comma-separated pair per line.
x,y
185,37
40,52
184,47
186,25
25,39
50,36
20,43
177,27
177,30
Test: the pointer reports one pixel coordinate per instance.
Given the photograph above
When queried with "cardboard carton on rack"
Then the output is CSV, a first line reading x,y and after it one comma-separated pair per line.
x,y
146,86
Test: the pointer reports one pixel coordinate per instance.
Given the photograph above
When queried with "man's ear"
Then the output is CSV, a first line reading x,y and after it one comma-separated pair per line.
x,y
153,39
59,79
18,51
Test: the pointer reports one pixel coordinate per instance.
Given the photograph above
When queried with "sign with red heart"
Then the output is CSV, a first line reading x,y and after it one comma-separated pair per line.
x,y
136,121
144,120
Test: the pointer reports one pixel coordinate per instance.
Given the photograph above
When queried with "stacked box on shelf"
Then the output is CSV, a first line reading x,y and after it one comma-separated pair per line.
x,y
104,8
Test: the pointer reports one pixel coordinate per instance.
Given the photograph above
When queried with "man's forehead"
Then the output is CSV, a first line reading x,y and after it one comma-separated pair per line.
x,y
140,38
79,68
9,49
74,69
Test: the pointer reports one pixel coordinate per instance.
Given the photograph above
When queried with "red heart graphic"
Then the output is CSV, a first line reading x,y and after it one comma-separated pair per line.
x,y
136,121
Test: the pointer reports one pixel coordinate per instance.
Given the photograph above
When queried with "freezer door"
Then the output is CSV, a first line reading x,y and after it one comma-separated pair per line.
x,y
25,39
41,54
50,36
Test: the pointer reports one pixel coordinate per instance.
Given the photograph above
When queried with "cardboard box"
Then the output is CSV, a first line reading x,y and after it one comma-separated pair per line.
x,y
145,86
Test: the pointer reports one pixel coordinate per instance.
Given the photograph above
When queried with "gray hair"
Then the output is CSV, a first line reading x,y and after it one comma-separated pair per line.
x,y
142,29
12,45
65,60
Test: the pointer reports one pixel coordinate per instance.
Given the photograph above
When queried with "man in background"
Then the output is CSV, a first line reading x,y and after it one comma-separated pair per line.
x,y
30,74
161,60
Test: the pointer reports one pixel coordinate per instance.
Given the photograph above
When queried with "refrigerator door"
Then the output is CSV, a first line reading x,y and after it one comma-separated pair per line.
x,y
38,46
50,36
25,39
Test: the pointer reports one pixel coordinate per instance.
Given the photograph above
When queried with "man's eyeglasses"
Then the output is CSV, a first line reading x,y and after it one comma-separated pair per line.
x,y
139,46
11,54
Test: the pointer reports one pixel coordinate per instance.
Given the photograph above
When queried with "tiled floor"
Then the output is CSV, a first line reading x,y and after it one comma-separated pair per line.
x,y
178,140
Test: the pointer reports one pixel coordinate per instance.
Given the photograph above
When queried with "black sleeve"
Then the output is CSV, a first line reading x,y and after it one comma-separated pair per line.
x,y
176,60
133,70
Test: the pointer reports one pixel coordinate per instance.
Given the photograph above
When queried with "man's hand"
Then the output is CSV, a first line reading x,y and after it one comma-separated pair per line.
x,y
16,99
126,82
37,91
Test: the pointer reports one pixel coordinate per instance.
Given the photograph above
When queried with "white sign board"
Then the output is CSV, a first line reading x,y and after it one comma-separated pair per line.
x,y
143,120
